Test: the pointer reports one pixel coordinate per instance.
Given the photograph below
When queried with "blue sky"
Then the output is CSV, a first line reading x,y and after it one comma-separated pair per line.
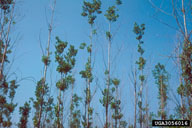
x,y
70,26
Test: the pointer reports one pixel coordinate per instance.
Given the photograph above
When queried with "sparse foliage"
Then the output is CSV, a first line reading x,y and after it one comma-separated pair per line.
x,y
161,76
66,62
139,31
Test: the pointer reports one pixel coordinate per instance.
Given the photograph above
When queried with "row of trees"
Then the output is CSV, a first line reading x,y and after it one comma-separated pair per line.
x,y
49,110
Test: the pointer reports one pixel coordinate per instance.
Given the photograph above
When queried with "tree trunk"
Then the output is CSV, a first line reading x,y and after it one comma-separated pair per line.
x,y
108,82
6,40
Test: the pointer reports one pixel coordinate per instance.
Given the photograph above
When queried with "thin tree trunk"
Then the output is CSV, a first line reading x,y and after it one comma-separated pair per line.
x,y
116,107
111,120
161,92
146,109
46,66
58,118
184,20
135,98
86,104
62,106
70,119
140,109
108,83
89,82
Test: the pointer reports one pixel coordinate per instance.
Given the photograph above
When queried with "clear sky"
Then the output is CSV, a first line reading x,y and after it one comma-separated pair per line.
x,y
70,26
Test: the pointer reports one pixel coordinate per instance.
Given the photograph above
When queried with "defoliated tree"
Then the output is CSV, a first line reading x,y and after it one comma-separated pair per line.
x,y
182,11
7,87
139,31
24,111
66,62
161,76
90,10
43,103
183,19
112,16
87,75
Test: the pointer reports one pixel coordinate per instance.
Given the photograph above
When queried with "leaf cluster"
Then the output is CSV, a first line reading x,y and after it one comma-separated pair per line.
x,y
139,30
65,61
7,107
111,14
43,101
24,111
5,5
2,47
90,9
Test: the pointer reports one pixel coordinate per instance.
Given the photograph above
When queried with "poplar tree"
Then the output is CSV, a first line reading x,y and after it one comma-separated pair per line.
x,y
24,111
139,31
66,62
90,10
87,75
182,14
161,79
185,89
7,87
112,16
43,103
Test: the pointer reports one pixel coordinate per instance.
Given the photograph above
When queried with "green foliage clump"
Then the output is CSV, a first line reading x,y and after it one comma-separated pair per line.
x,y
65,62
2,55
46,60
82,46
108,35
87,74
24,111
90,9
116,81
111,14
43,104
118,2
5,5
7,107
